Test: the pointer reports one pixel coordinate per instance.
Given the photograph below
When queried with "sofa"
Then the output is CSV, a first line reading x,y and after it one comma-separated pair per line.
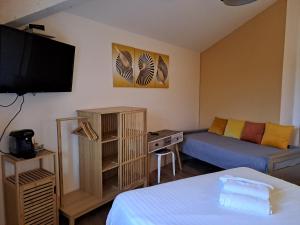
x,y
227,153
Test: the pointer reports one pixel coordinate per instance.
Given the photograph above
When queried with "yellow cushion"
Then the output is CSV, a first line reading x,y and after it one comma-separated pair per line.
x,y
234,128
277,135
218,126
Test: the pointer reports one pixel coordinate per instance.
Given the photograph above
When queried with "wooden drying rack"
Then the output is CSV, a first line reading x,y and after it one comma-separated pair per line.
x,y
84,130
113,163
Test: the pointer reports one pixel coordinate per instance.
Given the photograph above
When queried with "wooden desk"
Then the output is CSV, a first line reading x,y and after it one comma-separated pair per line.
x,y
164,139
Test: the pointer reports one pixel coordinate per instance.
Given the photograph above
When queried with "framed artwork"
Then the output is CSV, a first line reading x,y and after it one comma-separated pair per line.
x,y
139,68
144,69
123,62
162,71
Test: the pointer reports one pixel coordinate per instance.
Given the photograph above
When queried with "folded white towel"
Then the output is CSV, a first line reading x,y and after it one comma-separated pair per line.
x,y
229,177
246,188
245,203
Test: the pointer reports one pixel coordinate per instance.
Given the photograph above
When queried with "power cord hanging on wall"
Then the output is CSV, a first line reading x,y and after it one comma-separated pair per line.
x,y
12,119
10,104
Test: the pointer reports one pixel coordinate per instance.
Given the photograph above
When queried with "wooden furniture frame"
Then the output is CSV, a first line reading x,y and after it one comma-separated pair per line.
x,y
163,139
30,196
113,163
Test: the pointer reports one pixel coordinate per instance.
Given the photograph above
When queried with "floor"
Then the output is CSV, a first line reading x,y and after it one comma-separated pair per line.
x,y
191,167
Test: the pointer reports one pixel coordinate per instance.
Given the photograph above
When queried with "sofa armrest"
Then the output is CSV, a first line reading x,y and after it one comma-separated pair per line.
x,y
194,131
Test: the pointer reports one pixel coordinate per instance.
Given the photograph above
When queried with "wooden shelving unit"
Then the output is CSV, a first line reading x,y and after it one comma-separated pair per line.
x,y
114,163
30,196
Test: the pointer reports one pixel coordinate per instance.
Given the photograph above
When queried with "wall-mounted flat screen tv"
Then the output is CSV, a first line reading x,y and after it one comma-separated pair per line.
x,y
30,63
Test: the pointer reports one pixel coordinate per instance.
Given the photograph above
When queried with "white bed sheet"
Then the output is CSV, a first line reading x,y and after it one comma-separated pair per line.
x,y
194,201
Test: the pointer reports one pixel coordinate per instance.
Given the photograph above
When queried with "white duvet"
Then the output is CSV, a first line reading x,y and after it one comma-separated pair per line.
x,y
195,201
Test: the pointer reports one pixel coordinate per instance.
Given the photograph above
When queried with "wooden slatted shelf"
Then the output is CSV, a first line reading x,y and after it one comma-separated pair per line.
x,y
30,176
40,155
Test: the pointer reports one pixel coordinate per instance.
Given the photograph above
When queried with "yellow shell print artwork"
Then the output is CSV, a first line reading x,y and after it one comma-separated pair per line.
x,y
144,68
162,71
138,68
123,60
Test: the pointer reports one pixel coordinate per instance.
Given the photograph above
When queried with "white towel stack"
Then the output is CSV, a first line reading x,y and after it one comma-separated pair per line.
x,y
246,195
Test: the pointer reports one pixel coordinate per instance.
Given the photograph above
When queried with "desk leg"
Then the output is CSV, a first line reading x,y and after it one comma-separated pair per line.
x,y
178,156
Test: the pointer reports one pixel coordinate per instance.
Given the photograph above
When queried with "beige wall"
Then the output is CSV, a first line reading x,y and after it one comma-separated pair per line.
x,y
241,74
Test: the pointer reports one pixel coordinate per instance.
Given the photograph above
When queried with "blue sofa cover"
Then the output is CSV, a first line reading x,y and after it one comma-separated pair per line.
x,y
227,153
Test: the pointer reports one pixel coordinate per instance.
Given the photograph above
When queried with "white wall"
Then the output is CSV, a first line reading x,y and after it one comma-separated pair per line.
x,y
290,92
296,117
173,108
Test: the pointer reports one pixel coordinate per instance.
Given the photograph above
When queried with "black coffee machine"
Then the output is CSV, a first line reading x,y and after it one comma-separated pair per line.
x,y
20,144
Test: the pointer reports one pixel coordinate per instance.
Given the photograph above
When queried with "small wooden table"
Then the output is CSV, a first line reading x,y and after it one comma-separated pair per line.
x,y
163,139
28,193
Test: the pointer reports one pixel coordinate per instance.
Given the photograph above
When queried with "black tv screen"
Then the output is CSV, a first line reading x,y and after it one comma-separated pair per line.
x,y
30,63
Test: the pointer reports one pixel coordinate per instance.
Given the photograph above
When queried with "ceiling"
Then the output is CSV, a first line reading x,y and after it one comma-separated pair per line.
x,y
193,24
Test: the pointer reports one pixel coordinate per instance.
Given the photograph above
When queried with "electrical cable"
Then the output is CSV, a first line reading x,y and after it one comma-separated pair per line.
x,y
10,104
12,119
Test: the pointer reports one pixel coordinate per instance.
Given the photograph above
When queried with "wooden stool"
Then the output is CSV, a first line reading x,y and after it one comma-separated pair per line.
x,y
160,153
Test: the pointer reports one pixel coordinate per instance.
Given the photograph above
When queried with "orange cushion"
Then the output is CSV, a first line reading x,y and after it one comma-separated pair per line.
x,y
218,126
253,132
277,135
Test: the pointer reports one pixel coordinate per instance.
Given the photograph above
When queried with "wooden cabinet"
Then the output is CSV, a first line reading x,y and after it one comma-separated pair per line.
x,y
30,196
114,163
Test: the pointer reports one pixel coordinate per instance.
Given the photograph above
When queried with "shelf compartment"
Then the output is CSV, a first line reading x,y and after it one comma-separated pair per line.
x,y
109,127
110,183
30,176
109,163
110,156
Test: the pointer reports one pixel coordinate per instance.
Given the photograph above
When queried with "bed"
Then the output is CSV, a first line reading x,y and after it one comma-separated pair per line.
x,y
227,153
194,201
